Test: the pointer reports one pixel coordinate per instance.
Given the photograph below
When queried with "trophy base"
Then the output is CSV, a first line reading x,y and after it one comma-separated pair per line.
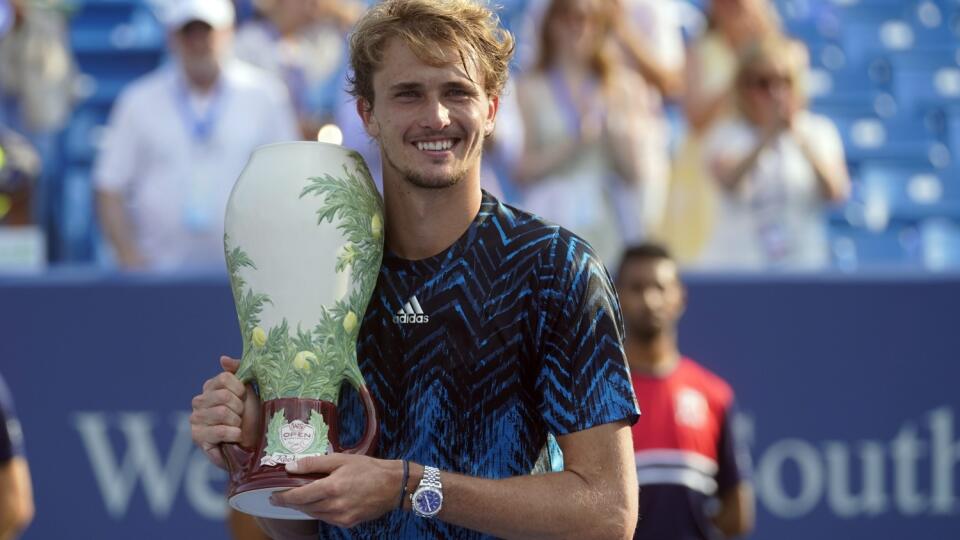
x,y
256,502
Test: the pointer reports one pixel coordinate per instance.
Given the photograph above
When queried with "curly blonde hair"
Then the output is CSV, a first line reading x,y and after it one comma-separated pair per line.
x,y
430,28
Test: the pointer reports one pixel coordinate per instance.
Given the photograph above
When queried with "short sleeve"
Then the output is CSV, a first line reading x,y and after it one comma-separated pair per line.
x,y
733,458
116,166
583,380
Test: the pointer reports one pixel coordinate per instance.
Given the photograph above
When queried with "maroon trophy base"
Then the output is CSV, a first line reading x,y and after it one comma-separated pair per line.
x,y
252,481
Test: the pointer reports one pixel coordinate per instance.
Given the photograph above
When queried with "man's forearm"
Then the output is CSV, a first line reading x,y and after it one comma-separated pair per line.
x,y
552,505
595,498
114,222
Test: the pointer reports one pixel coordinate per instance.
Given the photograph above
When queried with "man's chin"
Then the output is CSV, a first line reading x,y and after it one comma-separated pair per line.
x,y
646,333
433,182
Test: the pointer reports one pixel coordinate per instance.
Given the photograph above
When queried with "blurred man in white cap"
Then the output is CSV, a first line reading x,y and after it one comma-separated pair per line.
x,y
177,140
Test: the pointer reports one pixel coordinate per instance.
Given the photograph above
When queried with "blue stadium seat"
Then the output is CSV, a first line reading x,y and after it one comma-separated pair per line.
x,y
76,217
873,29
925,79
941,243
900,139
855,248
912,193
82,133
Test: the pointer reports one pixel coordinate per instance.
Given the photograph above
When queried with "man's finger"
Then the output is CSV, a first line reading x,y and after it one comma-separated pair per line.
x,y
218,398
317,464
226,380
312,494
229,364
216,416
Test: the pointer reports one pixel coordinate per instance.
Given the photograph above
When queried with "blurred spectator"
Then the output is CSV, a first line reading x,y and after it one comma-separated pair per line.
x,y
302,42
650,38
177,140
36,68
577,105
711,67
37,73
16,490
693,475
19,167
776,165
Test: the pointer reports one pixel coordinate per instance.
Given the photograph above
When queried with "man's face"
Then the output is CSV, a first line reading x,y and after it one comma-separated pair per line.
x,y
430,121
651,297
200,47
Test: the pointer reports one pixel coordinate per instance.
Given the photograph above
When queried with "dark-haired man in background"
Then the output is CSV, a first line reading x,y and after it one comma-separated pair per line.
x,y
691,474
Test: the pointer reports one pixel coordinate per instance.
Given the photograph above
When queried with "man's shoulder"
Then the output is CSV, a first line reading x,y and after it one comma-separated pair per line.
x,y
556,248
147,89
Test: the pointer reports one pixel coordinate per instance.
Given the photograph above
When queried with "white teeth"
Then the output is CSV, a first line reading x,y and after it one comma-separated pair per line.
x,y
435,145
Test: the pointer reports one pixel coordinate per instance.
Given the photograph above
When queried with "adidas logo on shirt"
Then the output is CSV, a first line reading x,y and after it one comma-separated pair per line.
x,y
411,313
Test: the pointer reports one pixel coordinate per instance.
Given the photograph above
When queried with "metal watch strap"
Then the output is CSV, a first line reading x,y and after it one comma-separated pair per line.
x,y
431,477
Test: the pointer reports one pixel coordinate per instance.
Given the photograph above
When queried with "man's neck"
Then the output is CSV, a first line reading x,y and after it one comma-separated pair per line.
x,y
655,356
423,222
201,84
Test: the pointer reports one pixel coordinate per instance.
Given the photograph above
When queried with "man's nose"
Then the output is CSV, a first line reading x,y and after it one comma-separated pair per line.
x,y
652,298
436,115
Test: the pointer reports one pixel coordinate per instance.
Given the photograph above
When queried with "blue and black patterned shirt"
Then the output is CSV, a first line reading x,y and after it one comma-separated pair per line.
x,y
473,356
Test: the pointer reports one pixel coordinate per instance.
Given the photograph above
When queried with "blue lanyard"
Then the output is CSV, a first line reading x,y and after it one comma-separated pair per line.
x,y
200,127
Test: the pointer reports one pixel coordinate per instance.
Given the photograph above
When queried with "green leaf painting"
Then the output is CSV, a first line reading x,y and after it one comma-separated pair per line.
x,y
320,440
273,434
312,362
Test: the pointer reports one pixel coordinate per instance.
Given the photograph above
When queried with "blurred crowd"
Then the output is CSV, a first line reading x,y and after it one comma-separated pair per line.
x,y
624,121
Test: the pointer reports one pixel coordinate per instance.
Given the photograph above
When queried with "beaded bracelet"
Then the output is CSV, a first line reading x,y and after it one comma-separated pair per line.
x,y
403,484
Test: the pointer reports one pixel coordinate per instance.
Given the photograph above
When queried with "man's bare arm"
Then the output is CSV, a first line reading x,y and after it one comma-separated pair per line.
x,y
113,218
595,496
16,498
736,516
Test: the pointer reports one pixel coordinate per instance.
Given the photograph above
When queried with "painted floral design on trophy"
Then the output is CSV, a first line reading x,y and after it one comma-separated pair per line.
x,y
298,362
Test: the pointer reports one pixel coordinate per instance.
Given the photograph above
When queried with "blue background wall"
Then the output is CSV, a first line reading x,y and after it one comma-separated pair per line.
x,y
847,390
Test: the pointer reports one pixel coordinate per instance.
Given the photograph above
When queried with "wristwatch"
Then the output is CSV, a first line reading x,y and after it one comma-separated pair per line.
x,y
428,497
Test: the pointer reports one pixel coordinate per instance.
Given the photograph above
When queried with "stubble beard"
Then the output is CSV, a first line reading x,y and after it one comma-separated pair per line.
x,y
644,331
425,182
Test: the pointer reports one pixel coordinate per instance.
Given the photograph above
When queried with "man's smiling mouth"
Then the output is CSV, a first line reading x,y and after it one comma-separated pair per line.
x,y
440,145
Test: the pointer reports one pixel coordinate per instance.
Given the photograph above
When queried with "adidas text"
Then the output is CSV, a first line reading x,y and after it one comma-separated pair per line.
x,y
404,318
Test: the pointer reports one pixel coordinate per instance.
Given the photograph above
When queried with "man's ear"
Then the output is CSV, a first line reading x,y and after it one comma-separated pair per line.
x,y
491,120
365,110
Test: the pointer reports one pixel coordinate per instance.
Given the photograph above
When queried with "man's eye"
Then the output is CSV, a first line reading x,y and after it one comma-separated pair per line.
x,y
459,93
407,94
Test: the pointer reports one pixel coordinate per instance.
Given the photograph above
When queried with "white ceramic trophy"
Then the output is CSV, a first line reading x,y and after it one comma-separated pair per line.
x,y
304,243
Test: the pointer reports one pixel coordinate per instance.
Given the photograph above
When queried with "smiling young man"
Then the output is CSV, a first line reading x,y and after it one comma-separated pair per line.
x,y
520,337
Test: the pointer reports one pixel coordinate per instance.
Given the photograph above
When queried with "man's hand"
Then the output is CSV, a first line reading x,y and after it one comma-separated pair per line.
x,y
358,488
226,412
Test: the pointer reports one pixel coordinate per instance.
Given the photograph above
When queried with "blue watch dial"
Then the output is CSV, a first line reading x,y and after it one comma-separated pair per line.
x,y
428,501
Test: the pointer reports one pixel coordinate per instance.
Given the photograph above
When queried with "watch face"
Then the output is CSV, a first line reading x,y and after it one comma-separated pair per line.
x,y
427,501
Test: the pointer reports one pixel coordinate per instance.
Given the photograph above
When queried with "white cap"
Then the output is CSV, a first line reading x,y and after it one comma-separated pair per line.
x,y
216,13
